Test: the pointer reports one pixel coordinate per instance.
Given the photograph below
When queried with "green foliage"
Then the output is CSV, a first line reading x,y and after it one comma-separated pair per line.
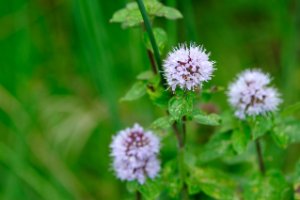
x,y
63,68
211,119
240,140
130,15
173,185
162,123
291,109
135,92
261,125
212,182
272,186
219,145
181,105
161,39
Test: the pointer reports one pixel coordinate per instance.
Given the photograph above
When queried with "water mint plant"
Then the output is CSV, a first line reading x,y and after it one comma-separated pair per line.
x,y
175,84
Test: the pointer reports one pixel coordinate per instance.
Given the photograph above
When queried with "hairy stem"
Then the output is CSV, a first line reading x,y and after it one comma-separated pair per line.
x,y
138,195
259,156
181,164
178,135
152,61
150,34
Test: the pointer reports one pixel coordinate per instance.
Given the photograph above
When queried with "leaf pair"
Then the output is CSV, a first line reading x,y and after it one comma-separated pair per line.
x,y
130,16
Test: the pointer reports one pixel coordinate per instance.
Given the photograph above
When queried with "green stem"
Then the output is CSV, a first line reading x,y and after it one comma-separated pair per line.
x,y
260,157
150,34
182,167
138,195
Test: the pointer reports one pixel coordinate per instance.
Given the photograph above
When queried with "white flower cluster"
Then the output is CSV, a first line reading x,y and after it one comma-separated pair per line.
x,y
187,67
251,95
134,153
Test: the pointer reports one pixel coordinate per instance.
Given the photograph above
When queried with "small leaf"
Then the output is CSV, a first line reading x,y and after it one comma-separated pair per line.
x,y
240,140
272,186
211,119
132,186
212,182
218,146
180,106
162,123
291,109
151,189
169,13
146,75
160,37
157,93
171,178
262,125
135,92
129,16
280,137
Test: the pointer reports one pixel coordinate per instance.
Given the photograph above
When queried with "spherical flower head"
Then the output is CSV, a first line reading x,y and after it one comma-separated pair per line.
x,y
251,95
187,67
134,152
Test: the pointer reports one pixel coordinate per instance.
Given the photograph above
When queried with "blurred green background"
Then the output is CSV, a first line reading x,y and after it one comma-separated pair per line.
x,y
64,67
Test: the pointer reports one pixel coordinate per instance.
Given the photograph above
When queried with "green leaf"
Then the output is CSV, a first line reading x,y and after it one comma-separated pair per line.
x,y
171,178
212,182
296,181
162,123
132,186
280,137
218,146
211,119
157,93
135,92
262,125
160,37
146,75
240,140
290,127
151,189
291,109
271,186
169,13
130,16
180,105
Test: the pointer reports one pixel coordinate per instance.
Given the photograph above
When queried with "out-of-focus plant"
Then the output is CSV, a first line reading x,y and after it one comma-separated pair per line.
x,y
242,138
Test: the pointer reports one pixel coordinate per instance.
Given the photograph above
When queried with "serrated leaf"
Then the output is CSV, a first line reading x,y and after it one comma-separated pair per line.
x,y
290,127
271,186
180,106
261,126
162,123
160,37
280,137
132,186
171,178
218,146
291,109
146,75
130,16
169,13
211,119
135,92
240,140
212,182
151,189
157,93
